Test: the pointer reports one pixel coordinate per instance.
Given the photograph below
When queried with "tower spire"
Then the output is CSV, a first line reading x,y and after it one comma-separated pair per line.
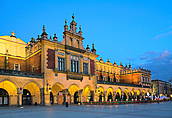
x,y
43,28
65,26
44,34
73,25
73,16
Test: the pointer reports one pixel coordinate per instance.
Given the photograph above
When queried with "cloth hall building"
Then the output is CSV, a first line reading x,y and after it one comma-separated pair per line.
x,y
47,71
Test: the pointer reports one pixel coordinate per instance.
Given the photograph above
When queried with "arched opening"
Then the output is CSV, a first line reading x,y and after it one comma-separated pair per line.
x,y
31,91
74,94
110,94
87,94
143,94
130,97
110,98
118,95
4,97
137,94
100,94
26,97
133,96
57,94
11,89
125,95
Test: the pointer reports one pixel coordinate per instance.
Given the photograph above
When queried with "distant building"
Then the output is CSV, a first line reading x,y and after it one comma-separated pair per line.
x,y
161,88
48,71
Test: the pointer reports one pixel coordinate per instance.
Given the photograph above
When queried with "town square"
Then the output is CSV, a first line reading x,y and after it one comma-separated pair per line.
x,y
85,59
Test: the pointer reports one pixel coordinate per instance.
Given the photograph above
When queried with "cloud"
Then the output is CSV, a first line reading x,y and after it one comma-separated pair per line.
x,y
148,55
160,64
164,54
162,35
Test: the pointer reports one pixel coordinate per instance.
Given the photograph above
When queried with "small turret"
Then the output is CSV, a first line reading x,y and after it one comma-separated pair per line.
x,y
13,34
129,66
114,64
73,25
93,49
65,26
108,60
55,37
87,48
80,31
38,38
32,40
121,64
101,60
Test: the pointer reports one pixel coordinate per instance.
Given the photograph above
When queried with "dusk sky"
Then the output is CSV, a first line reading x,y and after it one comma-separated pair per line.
x,y
127,31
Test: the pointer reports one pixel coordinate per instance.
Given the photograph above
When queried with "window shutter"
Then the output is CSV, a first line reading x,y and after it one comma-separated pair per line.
x,y
51,59
92,67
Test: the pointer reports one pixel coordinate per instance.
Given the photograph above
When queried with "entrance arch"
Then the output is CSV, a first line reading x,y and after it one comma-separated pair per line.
x,y
118,94
31,91
126,95
100,94
137,94
109,94
56,95
87,94
74,93
10,88
4,97
26,97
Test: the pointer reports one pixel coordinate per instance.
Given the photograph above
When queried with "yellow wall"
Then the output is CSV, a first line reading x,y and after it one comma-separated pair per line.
x,y
15,46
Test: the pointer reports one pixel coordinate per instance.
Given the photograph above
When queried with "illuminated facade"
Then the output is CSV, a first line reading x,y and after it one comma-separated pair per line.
x,y
46,71
161,88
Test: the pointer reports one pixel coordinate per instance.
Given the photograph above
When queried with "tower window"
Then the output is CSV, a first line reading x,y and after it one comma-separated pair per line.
x,y
61,64
17,67
74,64
85,68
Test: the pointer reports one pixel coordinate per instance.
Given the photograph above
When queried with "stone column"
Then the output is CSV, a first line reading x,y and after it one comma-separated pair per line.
x,y
42,96
19,92
56,99
47,99
72,99
13,99
105,96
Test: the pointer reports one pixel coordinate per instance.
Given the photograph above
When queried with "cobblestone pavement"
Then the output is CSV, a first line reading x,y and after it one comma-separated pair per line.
x,y
161,110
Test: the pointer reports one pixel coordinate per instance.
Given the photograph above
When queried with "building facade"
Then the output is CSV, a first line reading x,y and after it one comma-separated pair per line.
x,y
47,71
161,88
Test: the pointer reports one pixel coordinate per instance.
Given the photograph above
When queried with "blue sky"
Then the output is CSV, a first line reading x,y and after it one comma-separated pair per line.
x,y
127,31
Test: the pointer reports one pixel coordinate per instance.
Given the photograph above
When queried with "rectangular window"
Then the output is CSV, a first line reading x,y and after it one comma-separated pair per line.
x,y
85,68
61,64
17,67
75,66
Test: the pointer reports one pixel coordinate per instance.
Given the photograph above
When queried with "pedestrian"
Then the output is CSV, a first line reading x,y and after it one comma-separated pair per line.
x,y
67,104
67,100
